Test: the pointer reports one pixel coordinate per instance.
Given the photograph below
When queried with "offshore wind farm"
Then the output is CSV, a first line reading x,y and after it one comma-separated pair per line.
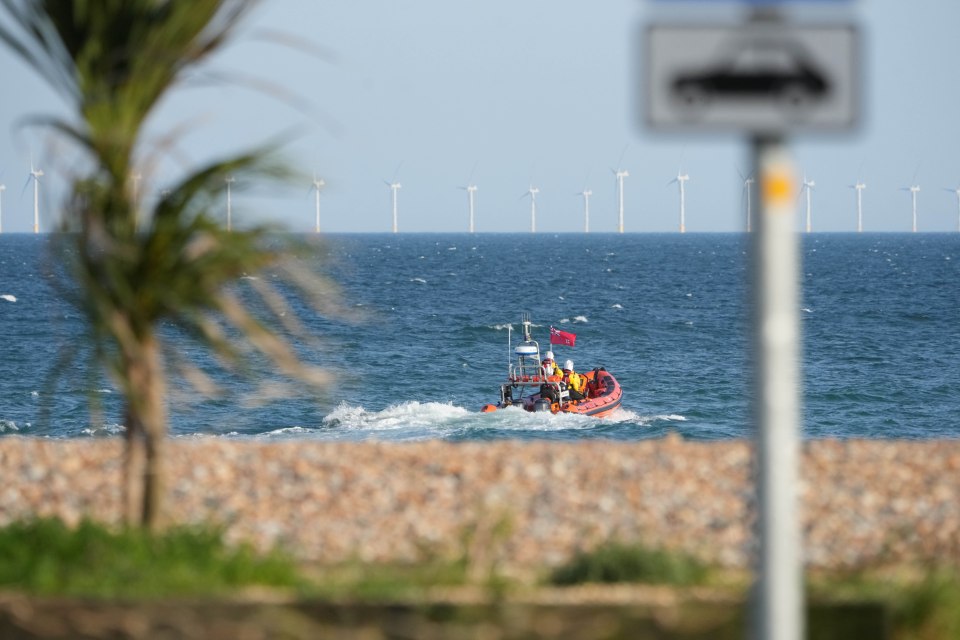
x,y
625,215
564,104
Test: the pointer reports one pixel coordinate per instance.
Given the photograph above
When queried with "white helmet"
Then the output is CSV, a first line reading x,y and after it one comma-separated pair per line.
x,y
568,365
549,356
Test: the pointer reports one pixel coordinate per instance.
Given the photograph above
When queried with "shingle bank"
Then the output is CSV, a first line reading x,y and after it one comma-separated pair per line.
x,y
508,505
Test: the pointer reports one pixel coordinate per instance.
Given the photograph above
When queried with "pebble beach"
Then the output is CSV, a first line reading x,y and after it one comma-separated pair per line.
x,y
509,506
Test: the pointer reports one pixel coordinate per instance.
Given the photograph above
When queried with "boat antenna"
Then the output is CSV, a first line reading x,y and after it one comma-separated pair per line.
x,y
509,346
525,320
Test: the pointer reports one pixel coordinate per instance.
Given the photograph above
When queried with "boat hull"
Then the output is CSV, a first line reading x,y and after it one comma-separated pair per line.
x,y
603,398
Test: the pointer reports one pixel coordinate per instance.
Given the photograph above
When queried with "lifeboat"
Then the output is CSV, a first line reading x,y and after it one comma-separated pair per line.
x,y
528,386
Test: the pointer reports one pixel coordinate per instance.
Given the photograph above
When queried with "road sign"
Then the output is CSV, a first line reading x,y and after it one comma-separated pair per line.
x,y
756,77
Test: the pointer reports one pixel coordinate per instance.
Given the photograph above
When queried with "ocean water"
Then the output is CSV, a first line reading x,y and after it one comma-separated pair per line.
x,y
667,314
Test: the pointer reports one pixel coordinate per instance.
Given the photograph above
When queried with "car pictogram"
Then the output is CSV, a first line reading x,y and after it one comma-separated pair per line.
x,y
755,70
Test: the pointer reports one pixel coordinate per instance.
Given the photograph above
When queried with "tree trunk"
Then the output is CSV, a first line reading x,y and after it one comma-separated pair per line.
x,y
133,462
146,418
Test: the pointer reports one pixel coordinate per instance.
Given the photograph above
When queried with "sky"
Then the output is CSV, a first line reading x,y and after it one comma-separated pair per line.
x,y
506,95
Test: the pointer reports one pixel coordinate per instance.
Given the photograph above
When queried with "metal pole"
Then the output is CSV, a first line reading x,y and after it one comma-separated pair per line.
x,y
779,590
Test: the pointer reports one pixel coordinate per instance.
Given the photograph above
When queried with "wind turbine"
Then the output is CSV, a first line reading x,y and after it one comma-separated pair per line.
x,y
748,188
35,174
914,190
859,186
229,180
532,192
3,188
680,179
620,174
470,189
808,186
586,193
318,184
955,190
394,187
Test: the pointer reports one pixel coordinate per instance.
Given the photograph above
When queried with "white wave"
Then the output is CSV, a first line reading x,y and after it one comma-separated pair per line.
x,y
671,417
282,433
420,280
581,319
8,425
617,306
626,416
807,310
517,419
620,414
9,297
508,325
406,415
104,430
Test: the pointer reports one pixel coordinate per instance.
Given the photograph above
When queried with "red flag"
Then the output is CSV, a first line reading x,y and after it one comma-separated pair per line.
x,y
562,337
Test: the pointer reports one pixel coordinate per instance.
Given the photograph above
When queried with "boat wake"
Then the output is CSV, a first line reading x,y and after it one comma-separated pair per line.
x,y
408,416
434,420
415,421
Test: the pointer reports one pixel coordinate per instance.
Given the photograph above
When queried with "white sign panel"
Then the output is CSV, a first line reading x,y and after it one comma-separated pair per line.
x,y
760,78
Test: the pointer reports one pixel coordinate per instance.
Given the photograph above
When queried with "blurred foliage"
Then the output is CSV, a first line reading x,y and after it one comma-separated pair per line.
x,y
616,562
46,557
923,601
169,262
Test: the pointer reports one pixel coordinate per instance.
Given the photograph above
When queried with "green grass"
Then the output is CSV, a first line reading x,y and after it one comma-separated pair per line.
x,y
384,582
615,562
46,557
923,601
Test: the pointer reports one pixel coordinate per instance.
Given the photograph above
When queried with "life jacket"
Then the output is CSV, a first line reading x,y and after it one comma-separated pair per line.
x,y
576,382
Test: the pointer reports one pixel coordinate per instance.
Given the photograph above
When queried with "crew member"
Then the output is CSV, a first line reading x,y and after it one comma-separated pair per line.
x,y
576,383
550,369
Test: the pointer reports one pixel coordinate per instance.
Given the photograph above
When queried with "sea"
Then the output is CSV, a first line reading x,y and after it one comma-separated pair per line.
x,y
427,342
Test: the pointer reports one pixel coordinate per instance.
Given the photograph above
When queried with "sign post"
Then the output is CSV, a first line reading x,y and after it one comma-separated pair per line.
x,y
765,78
778,597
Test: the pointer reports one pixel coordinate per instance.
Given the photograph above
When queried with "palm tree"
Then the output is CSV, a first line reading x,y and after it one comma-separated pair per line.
x,y
114,61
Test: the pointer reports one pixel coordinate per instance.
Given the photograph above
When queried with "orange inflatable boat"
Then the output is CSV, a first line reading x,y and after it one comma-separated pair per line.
x,y
529,386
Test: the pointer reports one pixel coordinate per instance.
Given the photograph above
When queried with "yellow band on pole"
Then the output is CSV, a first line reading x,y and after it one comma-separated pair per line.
x,y
777,188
